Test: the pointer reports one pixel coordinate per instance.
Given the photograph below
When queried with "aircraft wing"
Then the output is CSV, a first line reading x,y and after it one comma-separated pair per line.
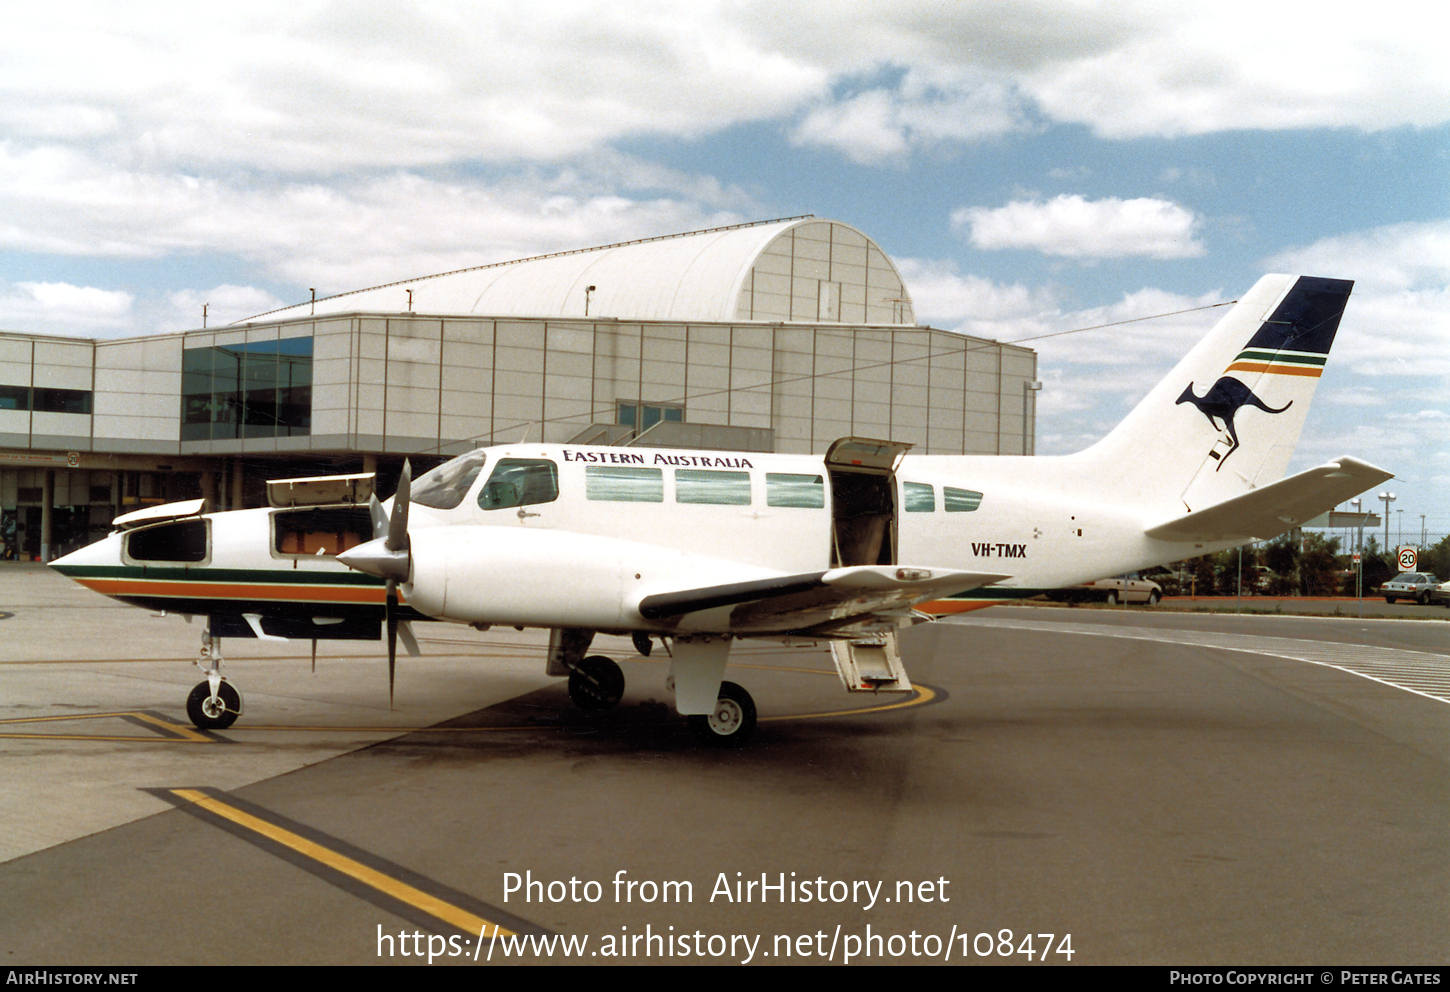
x,y
816,602
1269,511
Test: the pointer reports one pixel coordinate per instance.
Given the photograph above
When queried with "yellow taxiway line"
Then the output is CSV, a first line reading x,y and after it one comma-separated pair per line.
x,y
454,916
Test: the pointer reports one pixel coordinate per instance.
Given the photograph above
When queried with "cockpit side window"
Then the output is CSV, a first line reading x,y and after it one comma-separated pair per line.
x,y
520,482
444,487
177,541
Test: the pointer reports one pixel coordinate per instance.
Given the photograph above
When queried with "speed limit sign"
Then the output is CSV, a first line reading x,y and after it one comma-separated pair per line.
x,y
1407,559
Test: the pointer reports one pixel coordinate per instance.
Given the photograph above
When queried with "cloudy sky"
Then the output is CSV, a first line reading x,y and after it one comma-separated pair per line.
x,y
1033,166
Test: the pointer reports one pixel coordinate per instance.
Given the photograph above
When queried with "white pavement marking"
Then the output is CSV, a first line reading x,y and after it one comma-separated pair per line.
x,y
1422,672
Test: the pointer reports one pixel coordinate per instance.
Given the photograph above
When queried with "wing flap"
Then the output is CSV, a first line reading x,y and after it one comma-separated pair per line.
x,y
1271,510
816,600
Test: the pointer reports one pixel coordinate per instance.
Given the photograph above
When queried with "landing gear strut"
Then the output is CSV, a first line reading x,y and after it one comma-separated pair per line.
x,y
215,703
732,721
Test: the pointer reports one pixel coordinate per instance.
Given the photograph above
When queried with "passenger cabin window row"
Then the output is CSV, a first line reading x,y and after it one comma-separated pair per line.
x,y
918,497
706,486
518,482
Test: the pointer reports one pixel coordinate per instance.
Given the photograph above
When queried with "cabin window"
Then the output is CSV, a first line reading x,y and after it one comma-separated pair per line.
x,y
806,492
321,530
706,486
960,500
520,482
182,541
919,497
629,485
444,487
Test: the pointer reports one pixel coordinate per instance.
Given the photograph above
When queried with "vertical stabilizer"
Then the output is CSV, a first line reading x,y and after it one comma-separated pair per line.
x,y
1226,419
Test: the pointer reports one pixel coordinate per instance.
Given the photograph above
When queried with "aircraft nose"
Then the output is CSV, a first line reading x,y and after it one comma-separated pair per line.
x,y
98,553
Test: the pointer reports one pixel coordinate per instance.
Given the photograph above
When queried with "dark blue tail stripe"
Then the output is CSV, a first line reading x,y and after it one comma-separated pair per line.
x,y
1308,317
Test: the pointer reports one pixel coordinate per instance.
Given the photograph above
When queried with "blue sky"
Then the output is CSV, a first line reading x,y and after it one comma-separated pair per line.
x,y
1032,168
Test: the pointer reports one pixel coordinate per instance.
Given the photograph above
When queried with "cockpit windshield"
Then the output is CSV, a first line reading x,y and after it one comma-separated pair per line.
x,y
444,487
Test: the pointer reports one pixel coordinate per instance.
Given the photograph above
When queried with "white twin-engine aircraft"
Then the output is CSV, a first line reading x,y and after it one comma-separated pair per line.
x,y
697,549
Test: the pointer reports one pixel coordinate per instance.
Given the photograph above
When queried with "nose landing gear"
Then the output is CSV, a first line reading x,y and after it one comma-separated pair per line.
x,y
215,703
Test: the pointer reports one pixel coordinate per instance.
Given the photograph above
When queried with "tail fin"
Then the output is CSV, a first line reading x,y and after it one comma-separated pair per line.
x,y
1227,417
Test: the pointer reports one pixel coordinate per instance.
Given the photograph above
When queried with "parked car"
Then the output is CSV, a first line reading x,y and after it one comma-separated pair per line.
x,y
1410,585
1441,594
1130,588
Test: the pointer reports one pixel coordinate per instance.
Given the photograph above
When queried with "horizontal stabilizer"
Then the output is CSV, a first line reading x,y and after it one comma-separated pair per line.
x,y
1271,510
798,602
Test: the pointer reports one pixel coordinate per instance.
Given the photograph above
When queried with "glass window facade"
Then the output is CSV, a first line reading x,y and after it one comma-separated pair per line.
x,y
644,416
256,389
44,400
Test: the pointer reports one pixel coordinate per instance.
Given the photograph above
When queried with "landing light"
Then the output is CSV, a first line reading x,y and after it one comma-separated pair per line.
x,y
912,574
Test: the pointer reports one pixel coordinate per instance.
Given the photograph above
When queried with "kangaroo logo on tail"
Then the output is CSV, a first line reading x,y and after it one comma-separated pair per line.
x,y
1224,399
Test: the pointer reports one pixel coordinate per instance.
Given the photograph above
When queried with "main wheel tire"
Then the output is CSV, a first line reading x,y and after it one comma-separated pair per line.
x,y
1423,599
596,684
206,714
1153,598
1112,599
731,723
1390,600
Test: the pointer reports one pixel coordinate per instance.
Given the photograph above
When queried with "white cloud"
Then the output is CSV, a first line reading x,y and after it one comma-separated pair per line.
x,y
1397,322
926,110
1202,68
317,88
1093,374
337,236
942,297
60,308
224,304
1074,227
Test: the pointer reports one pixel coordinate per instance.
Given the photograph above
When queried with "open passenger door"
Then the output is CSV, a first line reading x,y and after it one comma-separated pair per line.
x,y
863,532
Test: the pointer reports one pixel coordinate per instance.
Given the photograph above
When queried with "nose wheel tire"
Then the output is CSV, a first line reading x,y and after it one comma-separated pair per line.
x,y
1112,599
210,713
596,684
732,721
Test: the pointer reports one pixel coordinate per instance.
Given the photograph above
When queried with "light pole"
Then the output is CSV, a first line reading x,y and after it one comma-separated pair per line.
x,y
1358,505
1389,498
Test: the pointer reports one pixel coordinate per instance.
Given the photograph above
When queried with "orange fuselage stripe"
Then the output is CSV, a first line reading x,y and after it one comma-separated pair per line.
x,y
1313,372
228,590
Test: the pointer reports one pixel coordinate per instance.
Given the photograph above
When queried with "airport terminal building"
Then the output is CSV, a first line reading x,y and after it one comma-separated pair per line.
x,y
777,336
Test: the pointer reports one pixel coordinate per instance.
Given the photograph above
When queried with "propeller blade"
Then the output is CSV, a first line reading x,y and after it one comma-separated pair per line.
x,y
379,515
398,523
392,622
405,634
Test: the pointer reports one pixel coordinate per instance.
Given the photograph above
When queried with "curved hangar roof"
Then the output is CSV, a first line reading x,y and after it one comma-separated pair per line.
x,y
798,269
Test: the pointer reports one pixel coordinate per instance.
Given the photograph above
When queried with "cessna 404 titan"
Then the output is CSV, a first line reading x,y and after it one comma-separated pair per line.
x,y
697,549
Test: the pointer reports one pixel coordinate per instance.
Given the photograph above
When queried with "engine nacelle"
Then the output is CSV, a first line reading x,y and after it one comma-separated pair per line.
x,y
536,577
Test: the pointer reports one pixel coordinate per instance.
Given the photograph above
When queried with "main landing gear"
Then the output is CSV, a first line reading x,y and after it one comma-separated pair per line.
x,y
215,703
596,683
732,721
723,717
